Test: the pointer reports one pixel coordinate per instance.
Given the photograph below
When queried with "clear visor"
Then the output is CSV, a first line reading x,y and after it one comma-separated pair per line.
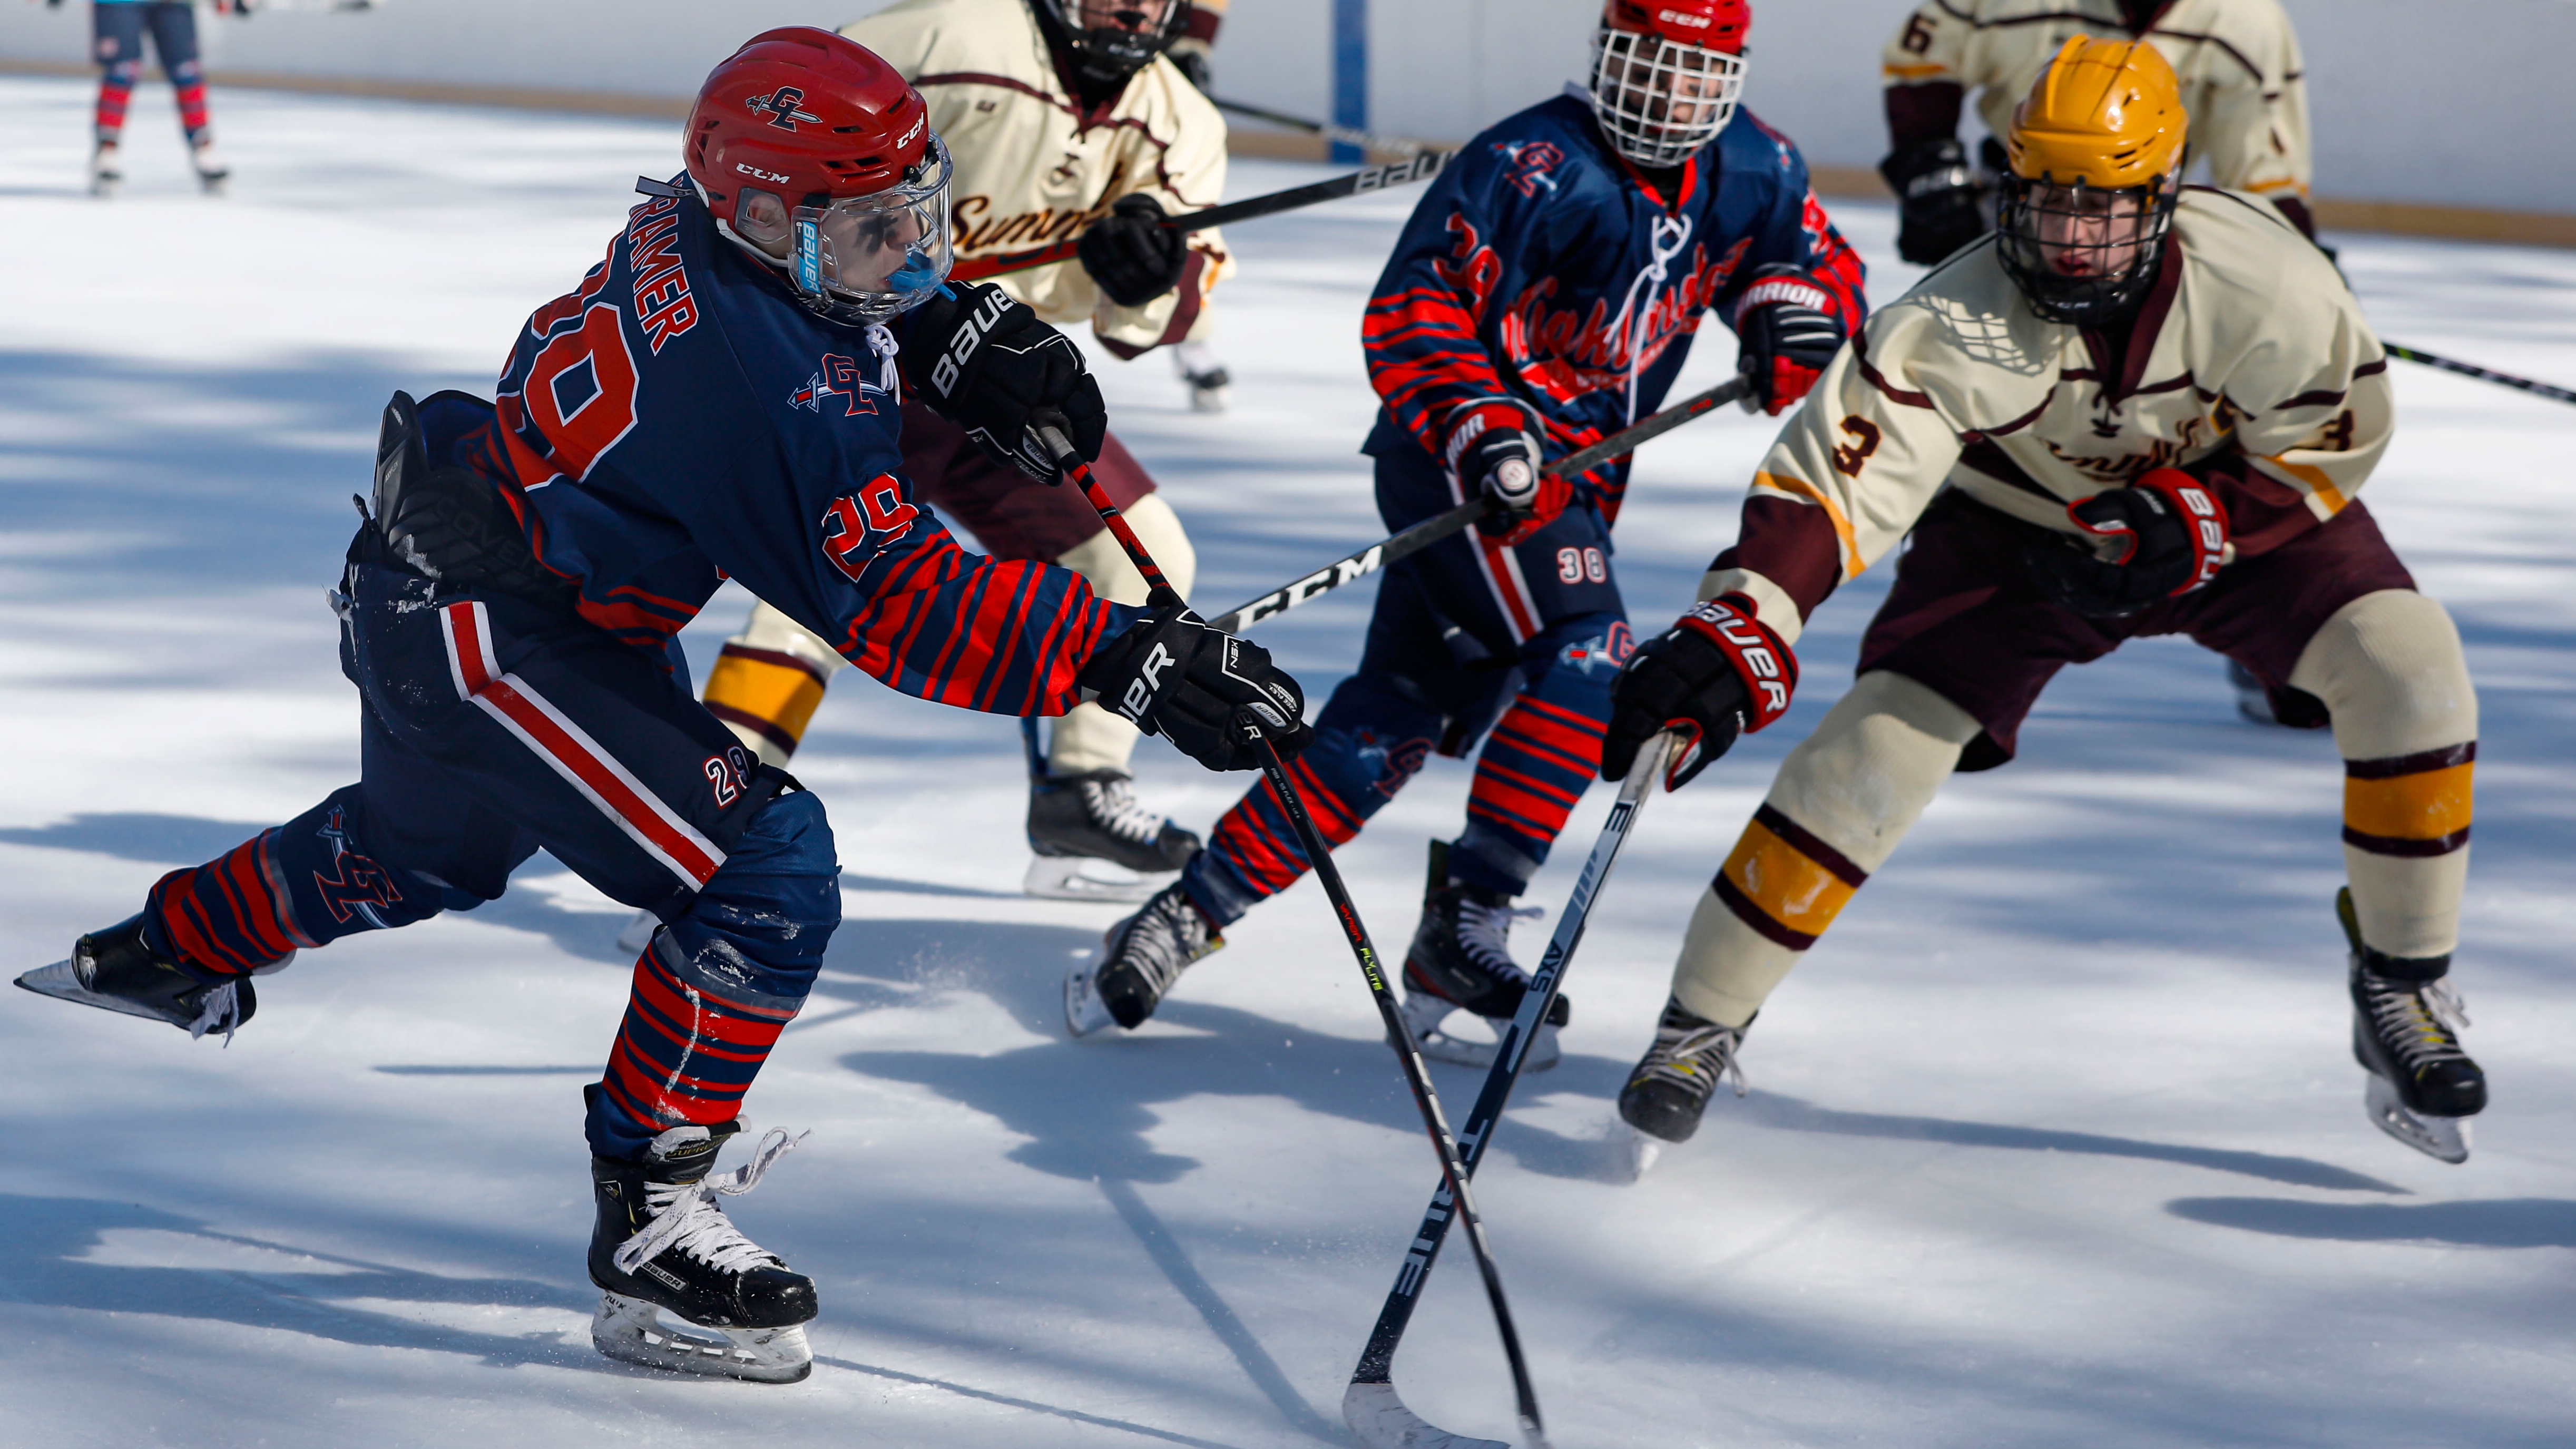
x,y
1658,100
871,257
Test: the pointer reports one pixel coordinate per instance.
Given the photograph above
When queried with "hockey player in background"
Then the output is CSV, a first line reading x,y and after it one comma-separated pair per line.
x,y
1543,296
2139,409
117,30
1194,357
1066,122
508,615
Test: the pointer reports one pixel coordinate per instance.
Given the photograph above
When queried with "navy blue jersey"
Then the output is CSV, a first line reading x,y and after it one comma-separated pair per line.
x,y
681,418
1542,280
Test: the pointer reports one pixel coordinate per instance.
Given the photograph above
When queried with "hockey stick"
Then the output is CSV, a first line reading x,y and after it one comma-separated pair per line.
x,y
1370,1405
1375,178
1367,140
2468,369
1453,1172
1440,525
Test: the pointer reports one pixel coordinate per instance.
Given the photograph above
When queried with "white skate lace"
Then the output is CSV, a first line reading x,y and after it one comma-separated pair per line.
x,y
1697,1059
1486,933
1112,806
1173,935
2418,1022
220,1008
686,1217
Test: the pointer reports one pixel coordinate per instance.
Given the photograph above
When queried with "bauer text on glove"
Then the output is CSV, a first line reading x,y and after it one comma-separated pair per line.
x,y
2166,533
987,364
1173,675
1719,672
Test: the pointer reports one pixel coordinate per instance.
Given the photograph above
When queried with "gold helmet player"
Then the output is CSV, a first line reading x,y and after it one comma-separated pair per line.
x,y
2137,410
2096,167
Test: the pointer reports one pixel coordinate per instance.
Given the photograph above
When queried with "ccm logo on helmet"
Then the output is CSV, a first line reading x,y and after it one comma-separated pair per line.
x,y
917,127
1676,17
781,107
757,174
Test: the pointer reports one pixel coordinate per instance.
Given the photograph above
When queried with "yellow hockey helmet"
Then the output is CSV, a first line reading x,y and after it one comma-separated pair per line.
x,y
2107,113
2095,155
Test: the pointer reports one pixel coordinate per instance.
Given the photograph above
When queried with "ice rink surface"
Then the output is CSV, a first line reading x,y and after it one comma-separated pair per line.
x,y
2056,1141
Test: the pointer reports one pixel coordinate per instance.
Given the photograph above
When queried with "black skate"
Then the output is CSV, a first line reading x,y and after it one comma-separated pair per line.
x,y
1673,1082
114,969
1209,384
1080,823
1139,960
1461,957
2422,1087
663,1242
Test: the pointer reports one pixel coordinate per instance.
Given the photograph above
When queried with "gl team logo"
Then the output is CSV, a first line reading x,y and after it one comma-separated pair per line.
x,y
356,886
780,106
858,528
839,379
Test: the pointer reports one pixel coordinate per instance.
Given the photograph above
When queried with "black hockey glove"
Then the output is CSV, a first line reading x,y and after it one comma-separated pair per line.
x,y
1938,206
1503,465
1172,675
1784,338
1718,673
2173,534
987,364
1130,253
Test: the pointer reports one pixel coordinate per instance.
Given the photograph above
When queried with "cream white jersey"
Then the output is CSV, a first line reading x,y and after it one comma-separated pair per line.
x,y
2238,60
2249,364
1033,169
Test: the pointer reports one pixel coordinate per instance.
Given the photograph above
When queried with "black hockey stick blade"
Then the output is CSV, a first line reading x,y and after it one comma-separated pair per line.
x,y
2470,369
1440,525
1370,1405
1367,140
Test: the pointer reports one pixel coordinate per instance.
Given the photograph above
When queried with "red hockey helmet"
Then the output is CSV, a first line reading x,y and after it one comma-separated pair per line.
x,y
1666,75
818,158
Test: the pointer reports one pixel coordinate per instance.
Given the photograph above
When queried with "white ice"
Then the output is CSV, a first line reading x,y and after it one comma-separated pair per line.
x,y
2057,1141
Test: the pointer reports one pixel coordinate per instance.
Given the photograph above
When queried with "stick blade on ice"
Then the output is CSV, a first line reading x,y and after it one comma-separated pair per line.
x,y
1379,1419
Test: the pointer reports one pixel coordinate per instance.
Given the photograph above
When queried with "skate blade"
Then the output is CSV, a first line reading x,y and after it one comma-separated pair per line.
x,y
1440,1046
639,932
2444,1139
1643,1149
1081,878
630,1330
1084,1011
61,983
1209,399
1380,1420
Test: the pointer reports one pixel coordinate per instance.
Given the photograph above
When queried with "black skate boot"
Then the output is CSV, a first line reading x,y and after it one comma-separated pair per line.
x,y
1461,957
1079,821
2422,1087
1673,1082
1139,960
115,969
662,1242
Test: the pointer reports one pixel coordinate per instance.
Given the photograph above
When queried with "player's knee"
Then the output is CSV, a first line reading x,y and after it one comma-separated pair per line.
x,y
1877,759
1578,657
763,919
2391,672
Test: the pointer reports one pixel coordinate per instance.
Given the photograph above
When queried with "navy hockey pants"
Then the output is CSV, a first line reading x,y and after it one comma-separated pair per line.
x,y
1465,631
491,727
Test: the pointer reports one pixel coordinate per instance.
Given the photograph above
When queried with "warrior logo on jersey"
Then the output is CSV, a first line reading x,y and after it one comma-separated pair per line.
x,y
781,107
356,886
839,379
860,527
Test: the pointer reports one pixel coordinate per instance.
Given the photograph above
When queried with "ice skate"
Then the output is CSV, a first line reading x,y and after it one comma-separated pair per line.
x,y
2422,1089
663,1242
1461,959
212,173
1671,1086
115,969
106,170
1211,387
1139,960
1093,842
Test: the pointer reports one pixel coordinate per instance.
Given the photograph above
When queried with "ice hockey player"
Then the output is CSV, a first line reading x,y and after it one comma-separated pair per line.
x,y
1194,357
508,612
117,28
2237,61
2139,409
1543,295
1066,122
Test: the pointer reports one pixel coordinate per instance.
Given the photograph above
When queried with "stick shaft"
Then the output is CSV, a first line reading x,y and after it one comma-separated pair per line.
x,y
1377,1360
1159,590
2470,369
1431,530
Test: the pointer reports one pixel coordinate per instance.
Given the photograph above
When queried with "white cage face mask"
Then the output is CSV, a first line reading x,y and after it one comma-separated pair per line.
x,y
1659,101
